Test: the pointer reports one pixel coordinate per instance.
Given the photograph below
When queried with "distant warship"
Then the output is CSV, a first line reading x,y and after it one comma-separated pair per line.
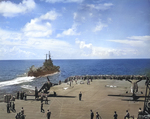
x,y
47,68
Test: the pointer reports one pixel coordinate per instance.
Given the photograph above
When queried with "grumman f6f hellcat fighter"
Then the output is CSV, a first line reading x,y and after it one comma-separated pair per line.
x,y
135,94
44,91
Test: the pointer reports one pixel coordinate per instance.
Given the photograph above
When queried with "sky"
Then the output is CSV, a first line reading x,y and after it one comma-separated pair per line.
x,y
74,29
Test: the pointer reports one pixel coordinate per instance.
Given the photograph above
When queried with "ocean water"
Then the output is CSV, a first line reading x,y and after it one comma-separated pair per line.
x,y
13,72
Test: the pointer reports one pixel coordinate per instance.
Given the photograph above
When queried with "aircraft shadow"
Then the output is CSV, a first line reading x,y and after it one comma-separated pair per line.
x,y
136,98
132,100
36,100
52,95
120,95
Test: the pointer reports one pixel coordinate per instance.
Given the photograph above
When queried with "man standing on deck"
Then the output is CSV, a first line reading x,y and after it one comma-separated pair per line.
x,y
22,111
46,100
21,95
127,115
42,110
140,113
25,96
18,95
92,115
70,83
98,116
80,95
13,107
48,114
10,103
8,111
115,115
36,93
41,97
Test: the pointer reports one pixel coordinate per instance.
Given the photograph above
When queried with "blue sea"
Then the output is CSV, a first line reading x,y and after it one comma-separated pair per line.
x,y
13,72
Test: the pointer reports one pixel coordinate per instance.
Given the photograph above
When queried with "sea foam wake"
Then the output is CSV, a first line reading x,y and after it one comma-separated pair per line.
x,y
17,80
28,87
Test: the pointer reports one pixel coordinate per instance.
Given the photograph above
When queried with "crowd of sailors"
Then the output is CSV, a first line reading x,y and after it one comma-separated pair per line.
x,y
10,100
116,77
21,95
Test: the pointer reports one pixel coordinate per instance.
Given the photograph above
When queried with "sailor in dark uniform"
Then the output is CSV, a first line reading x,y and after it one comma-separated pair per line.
x,y
13,107
18,95
10,103
22,111
41,98
115,115
25,96
127,115
42,110
92,115
8,111
80,95
17,116
36,93
48,114
46,100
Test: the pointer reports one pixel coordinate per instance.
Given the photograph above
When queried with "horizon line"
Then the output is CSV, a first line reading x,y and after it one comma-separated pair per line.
x,y
80,59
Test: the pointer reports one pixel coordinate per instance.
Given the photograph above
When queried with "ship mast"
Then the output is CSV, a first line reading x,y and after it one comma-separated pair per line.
x,y
49,55
46,57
